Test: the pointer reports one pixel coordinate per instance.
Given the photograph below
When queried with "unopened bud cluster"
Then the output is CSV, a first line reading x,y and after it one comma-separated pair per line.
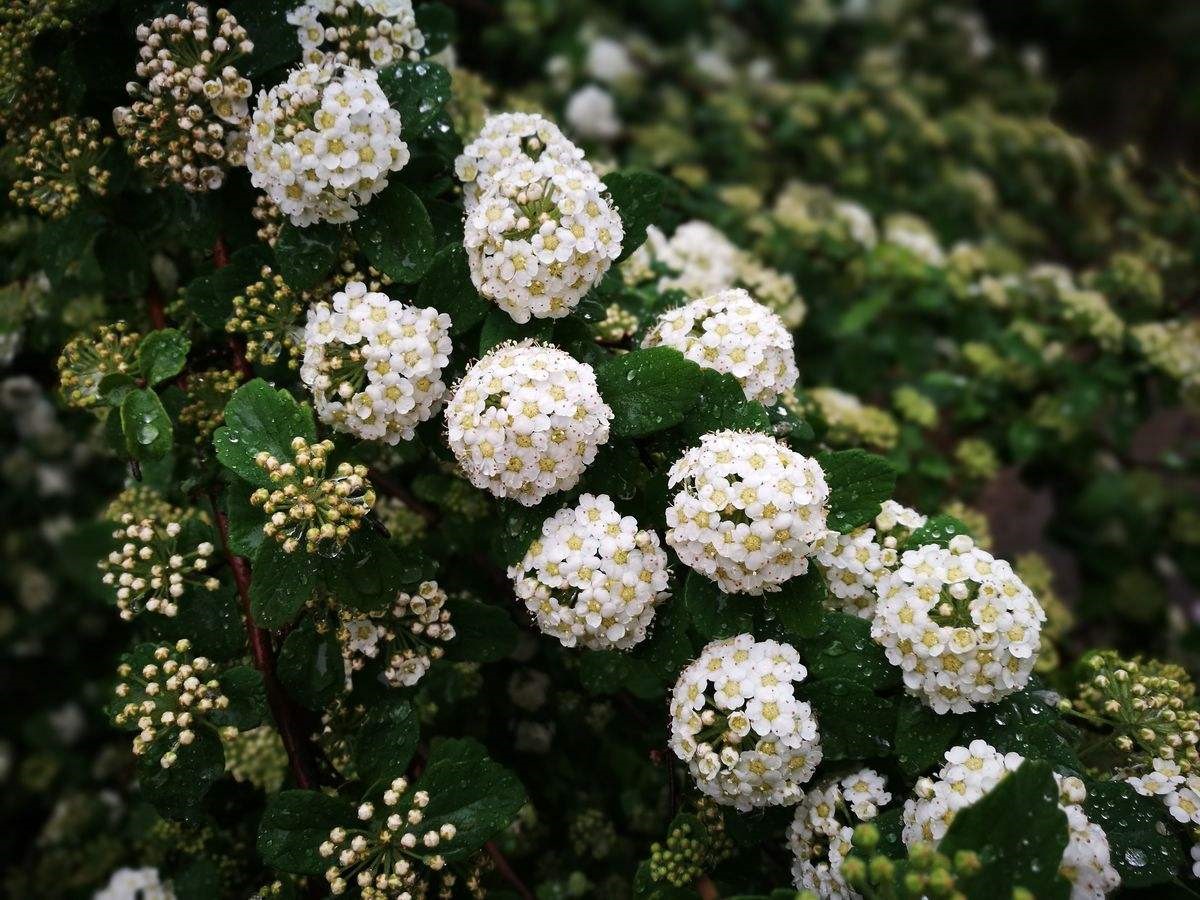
x,y
58,164
208,392
372,33
88,358
927,873
309,507
268,315
187,122
167,699
390,855
694,845
408,636
149,572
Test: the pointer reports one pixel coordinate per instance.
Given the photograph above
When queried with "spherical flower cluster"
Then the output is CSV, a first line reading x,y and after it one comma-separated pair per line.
x,y
407,636
208,392
592,114
257,756
853,563
1173,347
526,420
541,236
144,883
732,333
387,855
747,512
166,697
505,141
88,358
308,506
700,261
1092,314
959,623
593,577
821,831
267,314
736,722
914,235
323,143
58,163
187,122
149,572
850,421
374,364
357,32
810,211
970,773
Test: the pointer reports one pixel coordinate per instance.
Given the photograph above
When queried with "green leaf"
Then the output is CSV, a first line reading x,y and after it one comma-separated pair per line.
x,y
304,256
258,418
393,231
212,621
638,196
498,327
923,736
245,520
448,288
845,649
418,91
649,390
797,608
114,388
859,482
281,585
1019,833
146,425
274,37
604,671
124,261
723,405
1023,723
483,632
938,530
480,797
854,722
162,354
1144,847
368,571
439,24
178,791
713,613
247,709
310,665
295,824
385,741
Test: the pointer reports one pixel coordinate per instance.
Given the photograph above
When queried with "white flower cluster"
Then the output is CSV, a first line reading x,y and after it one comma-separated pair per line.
x,y
540,230
135,884
593,577
915,236
807,209
150,571
701,261
1180,793
408,635
970,773
853,563
323,142
526,420
747,512
821,831
375,364
736,722
959,623
731,332
592,114
352,32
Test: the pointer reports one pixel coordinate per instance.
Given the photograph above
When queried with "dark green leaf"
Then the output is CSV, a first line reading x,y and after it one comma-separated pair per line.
x,y
368,571
723,405
304,256
146,425
418,91
854,722
177,791
245,520
310,665
212,621
114,388
938,530
859,482
123,258
1143,846
483,632
448,288
258,418
649,390
713,613
498,328
439,25
845,649
393,231
247,708
385,741
163,354
638,196
294,826
797,608
281,585
923,736
1024,723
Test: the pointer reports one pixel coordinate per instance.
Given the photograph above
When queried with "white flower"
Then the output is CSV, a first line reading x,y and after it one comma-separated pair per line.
x,y
821,830
747,511
323,143
777,748
408,636
914,235
959,623
374,364
593,577
730,332
970,773
135,884
526,420
853,563
608,61
507,140
541,237
592,114
375,33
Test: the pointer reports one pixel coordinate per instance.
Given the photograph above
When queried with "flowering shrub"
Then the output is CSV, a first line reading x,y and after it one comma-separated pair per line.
x,y
572,450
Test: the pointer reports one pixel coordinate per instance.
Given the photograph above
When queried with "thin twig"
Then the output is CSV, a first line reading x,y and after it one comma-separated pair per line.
x,y
506,871
287,717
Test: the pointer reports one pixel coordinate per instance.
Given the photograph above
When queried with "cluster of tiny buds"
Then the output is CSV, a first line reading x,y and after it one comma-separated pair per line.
x,y
58,164
148,570
168,697
379,856
268,313
322,512
88,358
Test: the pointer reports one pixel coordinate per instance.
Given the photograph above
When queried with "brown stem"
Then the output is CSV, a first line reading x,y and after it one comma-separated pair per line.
x,y
287,716
154,306
506,871
220,253
706,889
